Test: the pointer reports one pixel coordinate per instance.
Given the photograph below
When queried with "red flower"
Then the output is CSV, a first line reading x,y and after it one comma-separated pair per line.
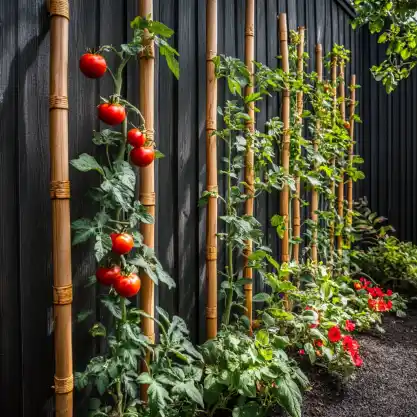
x,y
389,293
334,334
350,344
318,343
349,326
302,352
357,286
389,304
347,343
371,304
357,360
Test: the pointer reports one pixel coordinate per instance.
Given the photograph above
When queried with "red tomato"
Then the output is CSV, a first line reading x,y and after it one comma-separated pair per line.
x,y
136,138
108,276
127,286
122,243
111,113
93,65
142,157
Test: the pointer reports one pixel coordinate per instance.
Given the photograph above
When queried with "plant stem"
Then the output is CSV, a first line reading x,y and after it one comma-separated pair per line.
x,y
229,209
120,398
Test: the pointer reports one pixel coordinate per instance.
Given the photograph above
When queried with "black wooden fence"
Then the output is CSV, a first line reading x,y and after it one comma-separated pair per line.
x,y
26,342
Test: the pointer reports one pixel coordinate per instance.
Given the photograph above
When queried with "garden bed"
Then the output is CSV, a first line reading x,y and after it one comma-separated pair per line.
x,y
386,384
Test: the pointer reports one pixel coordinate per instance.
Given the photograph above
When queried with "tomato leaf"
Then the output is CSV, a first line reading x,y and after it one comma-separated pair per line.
x,y
84,230
85,163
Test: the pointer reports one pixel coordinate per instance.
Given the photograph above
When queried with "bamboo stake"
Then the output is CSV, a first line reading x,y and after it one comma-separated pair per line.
x,y
285,152
60,194
211,155
249,172
314,193
296,202
340,194
352,145
147,178
333,161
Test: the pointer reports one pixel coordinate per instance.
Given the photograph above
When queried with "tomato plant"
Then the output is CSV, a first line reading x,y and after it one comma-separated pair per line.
x,y
122,256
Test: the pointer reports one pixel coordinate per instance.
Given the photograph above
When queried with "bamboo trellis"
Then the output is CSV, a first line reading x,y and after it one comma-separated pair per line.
x,y
249,159
296,202
285,151
314,193
352,145
60,194
211,159
147,175
333,184
341,188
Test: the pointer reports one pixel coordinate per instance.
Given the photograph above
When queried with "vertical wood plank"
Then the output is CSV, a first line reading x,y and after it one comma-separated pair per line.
x,y
10,338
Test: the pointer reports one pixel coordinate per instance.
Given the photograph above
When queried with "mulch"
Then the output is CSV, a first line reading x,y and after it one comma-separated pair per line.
x,y
385,386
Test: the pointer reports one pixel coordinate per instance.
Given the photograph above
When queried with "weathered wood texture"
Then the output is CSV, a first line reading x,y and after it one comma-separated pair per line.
x,y
26,327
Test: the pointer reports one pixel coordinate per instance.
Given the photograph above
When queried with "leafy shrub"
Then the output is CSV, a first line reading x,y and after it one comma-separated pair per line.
x,y
390,262
250,375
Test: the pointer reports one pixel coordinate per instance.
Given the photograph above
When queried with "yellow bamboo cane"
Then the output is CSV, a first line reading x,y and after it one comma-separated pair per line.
x,y
211,159
314,193
249,160
296,202
60,193
147,174
340,194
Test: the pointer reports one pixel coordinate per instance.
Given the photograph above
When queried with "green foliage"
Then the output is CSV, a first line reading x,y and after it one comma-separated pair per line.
x,y
391,262
396,23
250,375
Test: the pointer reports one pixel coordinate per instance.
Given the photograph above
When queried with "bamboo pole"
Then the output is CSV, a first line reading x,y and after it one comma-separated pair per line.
x,y
333,161
340,194
60,194
296,202
285,151
249,160
352,145
211,155
147,175
314,193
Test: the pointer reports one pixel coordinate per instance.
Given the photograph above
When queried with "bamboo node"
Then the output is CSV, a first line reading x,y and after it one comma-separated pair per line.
x,y
58,102
63,385
319,47
210,124
59,8
250,30
211,253
248,287
211,54
62,295
147,199
286,93
213,188
149,133
211,312
283,36
60,190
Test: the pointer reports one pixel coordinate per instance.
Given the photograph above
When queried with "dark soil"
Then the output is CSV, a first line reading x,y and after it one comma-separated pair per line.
x,y
385,386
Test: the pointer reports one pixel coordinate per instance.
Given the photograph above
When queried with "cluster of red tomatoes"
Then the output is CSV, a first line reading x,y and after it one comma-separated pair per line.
x,y
114,113
126,285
